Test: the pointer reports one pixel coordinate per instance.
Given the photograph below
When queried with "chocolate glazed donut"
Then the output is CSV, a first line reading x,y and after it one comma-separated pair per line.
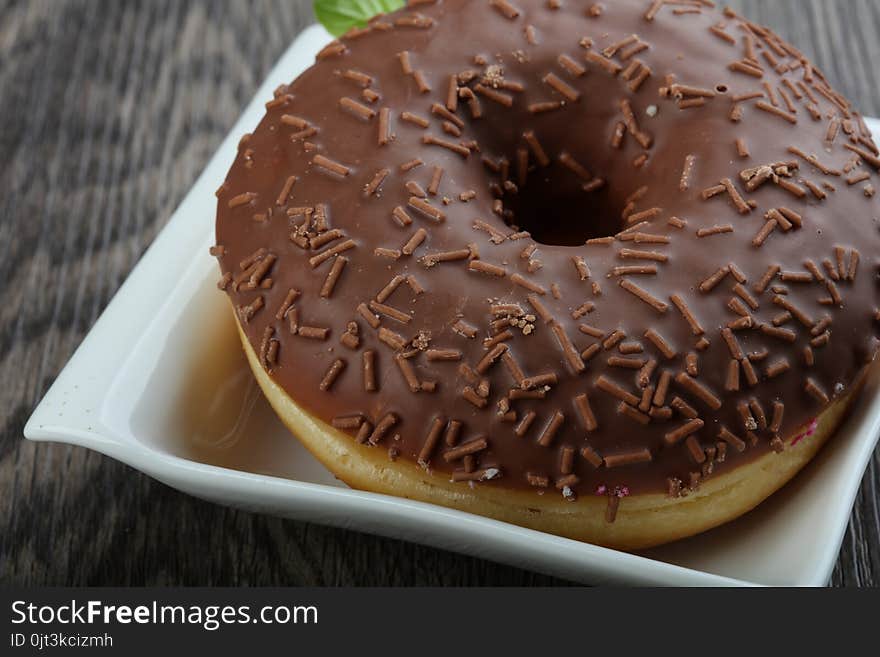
x,y
603,270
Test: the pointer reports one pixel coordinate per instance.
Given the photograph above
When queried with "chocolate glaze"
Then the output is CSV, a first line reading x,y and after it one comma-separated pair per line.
x,y
511,49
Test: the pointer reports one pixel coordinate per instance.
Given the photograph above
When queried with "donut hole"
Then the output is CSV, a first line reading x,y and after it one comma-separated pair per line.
x,y
563,215
721,88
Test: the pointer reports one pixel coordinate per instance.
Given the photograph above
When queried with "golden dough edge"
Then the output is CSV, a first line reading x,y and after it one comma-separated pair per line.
x,y
642,521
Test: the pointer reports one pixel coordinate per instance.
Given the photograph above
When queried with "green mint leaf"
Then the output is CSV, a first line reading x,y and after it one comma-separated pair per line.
x,y
338,16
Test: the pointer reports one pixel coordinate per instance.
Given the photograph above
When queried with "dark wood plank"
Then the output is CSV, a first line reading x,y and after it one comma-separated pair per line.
x,y
110,110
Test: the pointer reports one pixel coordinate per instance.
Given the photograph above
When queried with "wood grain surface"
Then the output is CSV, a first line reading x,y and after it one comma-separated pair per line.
x,y
108,111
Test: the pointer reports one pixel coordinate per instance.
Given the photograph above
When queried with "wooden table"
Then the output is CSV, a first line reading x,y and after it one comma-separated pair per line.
x,y
109,111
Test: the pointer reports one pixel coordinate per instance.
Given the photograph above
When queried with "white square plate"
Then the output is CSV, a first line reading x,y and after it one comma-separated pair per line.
x,y
161,384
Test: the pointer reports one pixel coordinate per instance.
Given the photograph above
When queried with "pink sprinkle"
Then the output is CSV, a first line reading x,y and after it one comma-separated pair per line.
x,y
811,429
600,490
